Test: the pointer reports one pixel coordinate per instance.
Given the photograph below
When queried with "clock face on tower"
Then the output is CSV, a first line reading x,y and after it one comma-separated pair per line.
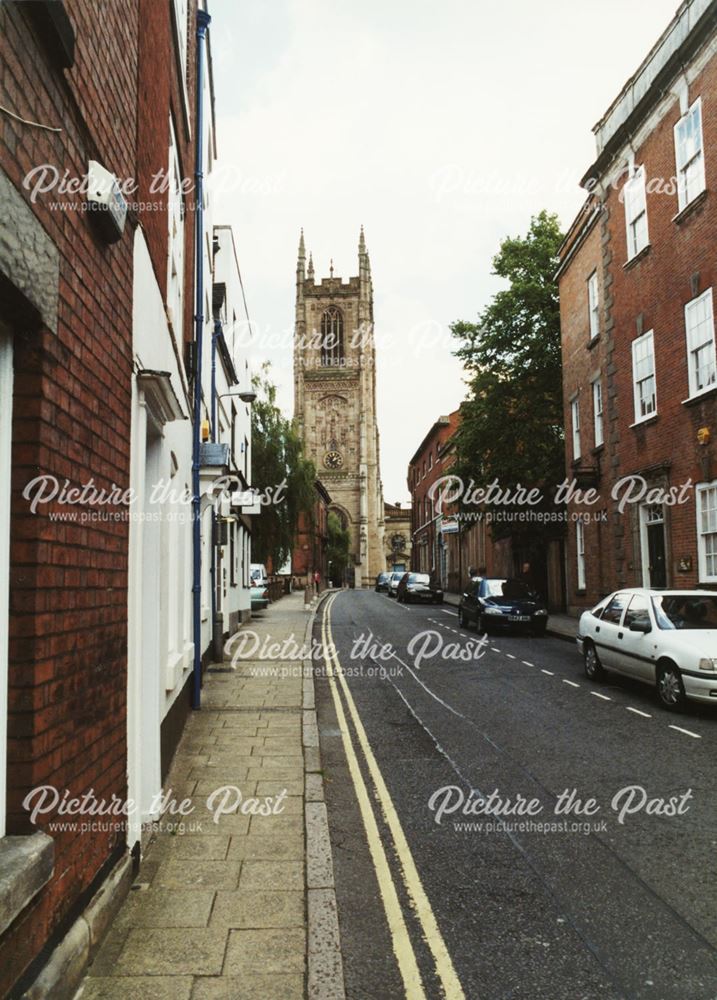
x,y
333,459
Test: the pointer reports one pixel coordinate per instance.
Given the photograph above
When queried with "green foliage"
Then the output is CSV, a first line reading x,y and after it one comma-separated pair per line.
x,y
511,427
277,457
338,546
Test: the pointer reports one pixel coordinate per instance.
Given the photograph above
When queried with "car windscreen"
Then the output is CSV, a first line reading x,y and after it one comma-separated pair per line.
x,y
419,578
685,611
505,588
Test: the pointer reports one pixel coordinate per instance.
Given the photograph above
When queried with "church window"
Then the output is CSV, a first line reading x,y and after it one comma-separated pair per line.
x,y
332,338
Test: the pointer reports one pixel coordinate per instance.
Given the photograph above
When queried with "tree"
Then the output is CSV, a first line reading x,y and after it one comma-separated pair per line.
x,y
338,546
511,422
281,473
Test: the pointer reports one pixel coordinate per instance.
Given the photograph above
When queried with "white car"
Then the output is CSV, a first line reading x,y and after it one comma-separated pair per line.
x,y
663,637
394,581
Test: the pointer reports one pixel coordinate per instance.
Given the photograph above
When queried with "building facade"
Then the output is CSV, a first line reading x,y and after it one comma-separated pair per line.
x,y
311,550
98,384
335,401
398,530
636,287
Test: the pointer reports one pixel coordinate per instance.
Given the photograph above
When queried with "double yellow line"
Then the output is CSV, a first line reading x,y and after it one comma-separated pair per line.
x,y
401,941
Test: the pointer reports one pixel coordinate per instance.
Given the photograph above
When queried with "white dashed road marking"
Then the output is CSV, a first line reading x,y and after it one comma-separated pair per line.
x,y
571,683
510,656
596,694
687,732
548,672
527,663
637,711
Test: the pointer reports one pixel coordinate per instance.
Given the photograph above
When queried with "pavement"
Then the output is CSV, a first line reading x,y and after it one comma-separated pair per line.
x,y
230,904
559,625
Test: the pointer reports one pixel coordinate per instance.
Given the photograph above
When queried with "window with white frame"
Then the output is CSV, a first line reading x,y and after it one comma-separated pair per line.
x,y
5,466
575,417
689,156
707,531
580,552
180,27
593,305
175,259
700,330
643,377
597,413
636,213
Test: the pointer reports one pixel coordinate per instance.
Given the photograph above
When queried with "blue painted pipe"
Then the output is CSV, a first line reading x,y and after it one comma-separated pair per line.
x,y
203,20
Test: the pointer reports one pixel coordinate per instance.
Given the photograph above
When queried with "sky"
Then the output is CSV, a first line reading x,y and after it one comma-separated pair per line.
x,y
441,128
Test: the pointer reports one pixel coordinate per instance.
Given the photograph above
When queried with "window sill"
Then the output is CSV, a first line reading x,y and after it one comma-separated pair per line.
x,y
647,420
699,396
598,448
26,865
593,341
638,256
691,207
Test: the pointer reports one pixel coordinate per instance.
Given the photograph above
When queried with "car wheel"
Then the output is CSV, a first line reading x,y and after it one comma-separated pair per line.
x,y
594,669
670,689
539,630
461,619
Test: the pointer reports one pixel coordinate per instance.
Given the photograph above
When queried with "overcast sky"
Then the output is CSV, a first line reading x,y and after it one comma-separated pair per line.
x,y
440,127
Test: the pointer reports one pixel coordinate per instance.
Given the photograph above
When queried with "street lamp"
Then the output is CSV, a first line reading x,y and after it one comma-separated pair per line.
x,y
247,396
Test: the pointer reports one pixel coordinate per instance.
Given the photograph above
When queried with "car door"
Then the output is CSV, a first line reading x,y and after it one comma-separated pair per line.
x,y
606,632
637,653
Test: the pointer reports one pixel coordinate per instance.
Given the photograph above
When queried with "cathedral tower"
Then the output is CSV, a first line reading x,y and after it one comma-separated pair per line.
x,y
335,401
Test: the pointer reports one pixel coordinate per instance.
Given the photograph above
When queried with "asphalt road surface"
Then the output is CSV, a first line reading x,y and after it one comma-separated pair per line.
x,y
555,905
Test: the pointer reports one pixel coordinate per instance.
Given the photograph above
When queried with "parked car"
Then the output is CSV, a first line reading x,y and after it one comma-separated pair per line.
x,y
667,638
382,582
492,603
258,574
414,587
259,597
394,581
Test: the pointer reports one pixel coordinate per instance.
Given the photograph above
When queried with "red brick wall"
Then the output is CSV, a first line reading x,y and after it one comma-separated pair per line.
x,y
653,291
582,359
68,591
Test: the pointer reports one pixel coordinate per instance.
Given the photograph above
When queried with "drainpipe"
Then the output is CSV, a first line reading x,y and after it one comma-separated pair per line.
x,y
217,621
203,20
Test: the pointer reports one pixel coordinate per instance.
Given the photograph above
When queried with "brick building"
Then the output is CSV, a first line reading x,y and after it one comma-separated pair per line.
x,y
310,554
636,291
437,543
97,373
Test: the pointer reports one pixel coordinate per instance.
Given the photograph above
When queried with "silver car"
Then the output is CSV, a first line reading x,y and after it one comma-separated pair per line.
x,y
667,638
394,581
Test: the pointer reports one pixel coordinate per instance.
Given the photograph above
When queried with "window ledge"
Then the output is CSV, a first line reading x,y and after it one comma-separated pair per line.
x,y
598,448
699,396
593,341
26,865
638,256
692,206
647,420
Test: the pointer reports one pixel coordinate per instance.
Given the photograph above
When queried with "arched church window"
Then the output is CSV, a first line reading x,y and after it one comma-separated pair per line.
x,y
332,338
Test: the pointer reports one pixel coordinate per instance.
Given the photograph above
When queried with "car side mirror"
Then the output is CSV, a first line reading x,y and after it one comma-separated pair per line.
x,y
640,626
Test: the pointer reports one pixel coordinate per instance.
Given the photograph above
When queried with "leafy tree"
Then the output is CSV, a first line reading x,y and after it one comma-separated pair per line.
x,y
281,472
338,548
511,426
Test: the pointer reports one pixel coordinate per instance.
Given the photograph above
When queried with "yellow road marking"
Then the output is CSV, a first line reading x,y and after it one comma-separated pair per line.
x,y
402,947
444,965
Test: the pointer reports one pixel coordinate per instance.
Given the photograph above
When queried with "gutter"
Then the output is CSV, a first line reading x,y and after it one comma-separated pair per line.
x,y
203,21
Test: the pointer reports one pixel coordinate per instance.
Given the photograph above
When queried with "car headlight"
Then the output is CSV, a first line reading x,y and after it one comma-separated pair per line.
x,y
492,611
708,663
541,611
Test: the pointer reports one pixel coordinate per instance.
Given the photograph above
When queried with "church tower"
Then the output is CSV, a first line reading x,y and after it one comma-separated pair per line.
x,y
335,401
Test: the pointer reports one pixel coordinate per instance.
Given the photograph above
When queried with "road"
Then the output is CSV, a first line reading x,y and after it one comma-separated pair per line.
x,y
434,905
